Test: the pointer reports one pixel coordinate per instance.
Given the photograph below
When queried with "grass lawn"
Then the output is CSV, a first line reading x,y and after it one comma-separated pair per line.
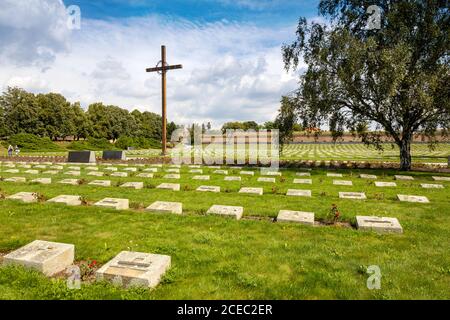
x,y
254,258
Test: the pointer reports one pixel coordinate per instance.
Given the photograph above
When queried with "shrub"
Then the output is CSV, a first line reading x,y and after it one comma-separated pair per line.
x,y
137,142
30,142
92,144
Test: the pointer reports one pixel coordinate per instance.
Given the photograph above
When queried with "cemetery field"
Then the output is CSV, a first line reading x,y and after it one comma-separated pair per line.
x,y
214,257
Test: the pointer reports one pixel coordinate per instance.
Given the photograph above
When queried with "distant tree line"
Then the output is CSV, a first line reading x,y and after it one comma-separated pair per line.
x,y
51,115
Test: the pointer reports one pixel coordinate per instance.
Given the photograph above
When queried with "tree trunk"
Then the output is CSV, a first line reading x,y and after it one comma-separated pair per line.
x,y
405,154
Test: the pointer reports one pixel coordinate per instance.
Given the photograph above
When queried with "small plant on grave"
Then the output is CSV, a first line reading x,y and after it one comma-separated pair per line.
x,y
227,190
150,186
379,196
187,187
82,181
2,195
282,179
118,183
334,214
84,201
40,197
274,190
323,194
320,180
87,269
137,205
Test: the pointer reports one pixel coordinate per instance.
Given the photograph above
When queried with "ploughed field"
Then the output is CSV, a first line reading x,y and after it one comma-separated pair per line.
x,y
214,257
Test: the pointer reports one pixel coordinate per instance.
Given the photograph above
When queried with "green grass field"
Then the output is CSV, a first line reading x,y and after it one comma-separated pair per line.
x,y
254,258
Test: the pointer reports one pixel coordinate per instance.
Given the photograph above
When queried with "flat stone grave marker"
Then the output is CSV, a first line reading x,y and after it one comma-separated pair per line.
x,y
270,173
398,177
352,195
154,170
123,164
231,178
195,166
385,184
113,203
73,182
166,207
66,199
378,224
27,197
172,170
342,182
145,175
334,175
225,172
130,269
101,183
111,169
200,177
258,191
52,172
32,171
367,176
74,168
248,173
9,165
441,178
133,185
25,166
95,173
119,174
72,173
131,169
208,189
42,180
91,168
15,179
12,171
298,193
303,181
408,198
172,176
40,166
47,257
296,216
196,171
213,167
169,186
56,167
303,174
431,186
231,211
263,179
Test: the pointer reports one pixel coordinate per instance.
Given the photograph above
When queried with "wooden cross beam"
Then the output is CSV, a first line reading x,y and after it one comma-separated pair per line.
x,y
162,67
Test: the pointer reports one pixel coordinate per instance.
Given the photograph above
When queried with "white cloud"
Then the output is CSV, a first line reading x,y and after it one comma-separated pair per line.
x,y
231,71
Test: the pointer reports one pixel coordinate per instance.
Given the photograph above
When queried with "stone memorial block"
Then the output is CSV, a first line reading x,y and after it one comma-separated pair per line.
x,y
42,180
114,155
258,191
342,183
296,216
10,165
230,211
81,157
135,269
398,177
72,173
270,173
169,186
298,193
68,200
231,178
208,189
249,173
385,184
408,198
73,182
166,207
56,167
200,178
378,224
367,176
431,186
119,174
101,183
263,179
172,176
91,168
145,175
172,170
154,170
52,172
131,169
49,258
196,171
12,171
95,173
27,197
113,203
214,167
32,171
303,174
25,166
195,166
40,166
134,185
352,195
111,169
334,175
225,172
15,179
303,181
441,178
73,168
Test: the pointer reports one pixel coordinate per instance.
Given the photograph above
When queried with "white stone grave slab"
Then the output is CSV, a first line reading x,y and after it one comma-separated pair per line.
x,y
303,174
119,174
15,179
334,175
12,171
172,170
196,171
225,172
378,224
72,168
172,176
73,182
95,173
230,211
200,177
145,175
441,178
131,169
27,197
111,169
367,176
248,173
270,173
52,172
32,171
208,189
296,216
398,177
113,203
409,198
67,199
72,173
352,195
385,184
264,179
169,186
303,181
342,182
298,193
166,207
133,185
232,178
101,183
154,170
431,186
42,180
258,191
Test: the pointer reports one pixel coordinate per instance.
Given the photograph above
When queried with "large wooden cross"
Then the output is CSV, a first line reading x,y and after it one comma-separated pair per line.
x,y
162,67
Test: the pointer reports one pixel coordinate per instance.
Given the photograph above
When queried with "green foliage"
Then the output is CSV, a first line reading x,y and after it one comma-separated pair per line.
x,y
30,142
236,125
137,142
91,144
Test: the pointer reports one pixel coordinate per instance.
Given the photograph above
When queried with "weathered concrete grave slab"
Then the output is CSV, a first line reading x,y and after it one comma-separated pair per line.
x,y
296,216
303,174
248,173
385,184
258,191
111,169
12,171
172,176
298,193
42,180
73,182
40,166
81,157
52,172
367,176
230,211
92,168
96,173
265,179
441,178
431,186
119,174
378,224
72,173
101,183
200,177
196,171
232,178
131,169
194,166
47,257
145,175
113,203
352,195
172,170
342,182
134,185
270,173
56,167
169,186
129,269
25,166
67,199
32,171
73,168
27,197
408,198
303,181
398,177
154,170
15,179
166,207
208,189
334,175
225,172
